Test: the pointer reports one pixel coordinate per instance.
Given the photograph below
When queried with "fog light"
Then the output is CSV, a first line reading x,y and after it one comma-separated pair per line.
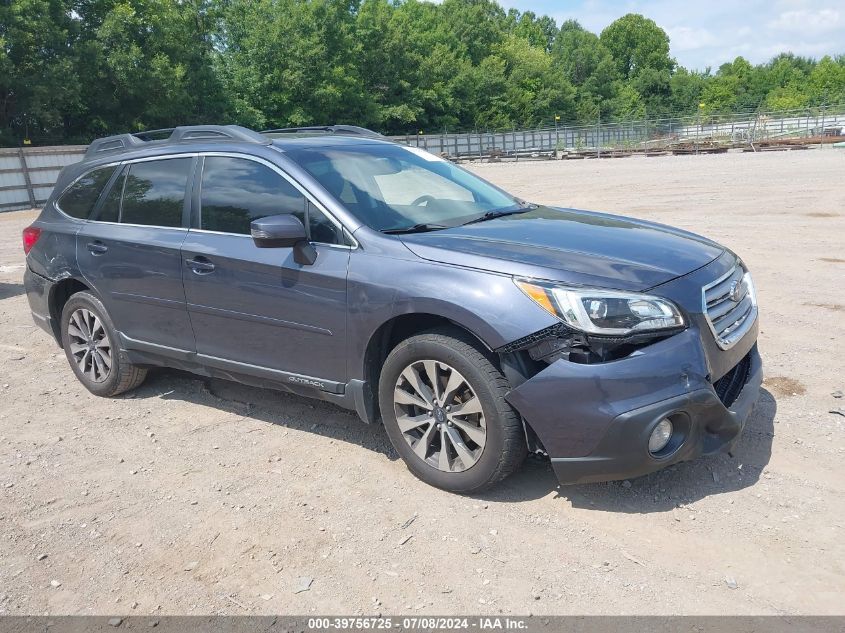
x,y
660,436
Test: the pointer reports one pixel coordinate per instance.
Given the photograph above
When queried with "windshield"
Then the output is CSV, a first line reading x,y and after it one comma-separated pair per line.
x,y
395,187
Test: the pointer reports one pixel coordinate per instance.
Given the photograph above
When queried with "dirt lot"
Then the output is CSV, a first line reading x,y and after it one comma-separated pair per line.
x,y
197,496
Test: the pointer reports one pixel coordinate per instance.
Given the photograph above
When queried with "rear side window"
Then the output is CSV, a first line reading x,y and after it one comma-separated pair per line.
x,y
79,200
154,192
236,191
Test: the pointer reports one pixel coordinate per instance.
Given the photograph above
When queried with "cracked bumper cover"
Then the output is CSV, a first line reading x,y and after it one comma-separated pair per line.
x,y
595,420
38,294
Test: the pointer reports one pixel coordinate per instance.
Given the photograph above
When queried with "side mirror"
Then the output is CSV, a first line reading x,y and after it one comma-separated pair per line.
x,y
284,231
277,231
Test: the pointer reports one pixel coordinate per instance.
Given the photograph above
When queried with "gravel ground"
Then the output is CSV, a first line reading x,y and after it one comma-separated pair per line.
x,y
194,496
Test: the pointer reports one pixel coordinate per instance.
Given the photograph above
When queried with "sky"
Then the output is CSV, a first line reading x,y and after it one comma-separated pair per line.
x,y
711,32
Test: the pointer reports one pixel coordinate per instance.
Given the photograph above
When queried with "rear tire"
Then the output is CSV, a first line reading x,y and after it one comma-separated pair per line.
x,y
438,390
91,347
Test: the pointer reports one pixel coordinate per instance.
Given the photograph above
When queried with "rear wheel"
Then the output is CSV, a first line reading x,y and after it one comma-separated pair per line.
x,y
443,406
90,343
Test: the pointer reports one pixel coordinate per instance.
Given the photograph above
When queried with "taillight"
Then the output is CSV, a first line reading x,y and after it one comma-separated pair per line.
x,y
30,237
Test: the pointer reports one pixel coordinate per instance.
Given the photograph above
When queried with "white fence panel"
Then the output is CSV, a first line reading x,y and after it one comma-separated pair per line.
x,y
27,175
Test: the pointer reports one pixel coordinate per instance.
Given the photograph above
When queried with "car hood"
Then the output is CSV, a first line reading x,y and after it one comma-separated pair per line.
x,y
570,246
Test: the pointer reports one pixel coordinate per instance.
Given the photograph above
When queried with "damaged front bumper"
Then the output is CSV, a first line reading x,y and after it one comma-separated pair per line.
x,y
594,420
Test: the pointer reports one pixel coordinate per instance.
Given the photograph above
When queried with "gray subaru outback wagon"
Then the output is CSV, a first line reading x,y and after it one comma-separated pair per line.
x,y
335,264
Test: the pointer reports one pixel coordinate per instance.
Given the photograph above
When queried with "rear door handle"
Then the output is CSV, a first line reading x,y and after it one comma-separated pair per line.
x,y
200,265
97,248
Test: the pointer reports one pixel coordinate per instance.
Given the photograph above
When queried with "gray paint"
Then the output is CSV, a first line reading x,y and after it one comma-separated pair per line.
x,y
262,318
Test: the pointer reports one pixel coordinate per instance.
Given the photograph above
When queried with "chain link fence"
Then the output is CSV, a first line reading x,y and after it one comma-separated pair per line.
x,y
755,131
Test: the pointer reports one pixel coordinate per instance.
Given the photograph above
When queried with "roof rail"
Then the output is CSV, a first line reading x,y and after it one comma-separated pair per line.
x,y
168,136
347,130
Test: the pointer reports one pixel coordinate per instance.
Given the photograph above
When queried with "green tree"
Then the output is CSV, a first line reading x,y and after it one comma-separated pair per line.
x,y
826,82
74,69
687,88
637,44
290,63
540,31
475,25
789,97
589,66
39,88
535,86
146,64
640,50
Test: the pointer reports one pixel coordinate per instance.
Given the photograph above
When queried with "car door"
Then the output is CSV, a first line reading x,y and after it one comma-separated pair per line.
x,y
129,251
256,310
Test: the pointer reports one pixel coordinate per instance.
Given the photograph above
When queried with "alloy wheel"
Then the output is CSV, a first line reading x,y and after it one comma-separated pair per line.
x,y
440,415
90,345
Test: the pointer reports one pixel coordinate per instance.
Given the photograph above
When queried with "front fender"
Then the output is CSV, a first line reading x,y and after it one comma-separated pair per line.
x,y
487,304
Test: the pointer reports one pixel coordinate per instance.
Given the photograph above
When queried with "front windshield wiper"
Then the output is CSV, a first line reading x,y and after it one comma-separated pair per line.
x,y
500,213
423,227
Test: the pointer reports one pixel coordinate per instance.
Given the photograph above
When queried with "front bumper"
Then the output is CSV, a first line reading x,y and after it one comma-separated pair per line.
x,y
594,421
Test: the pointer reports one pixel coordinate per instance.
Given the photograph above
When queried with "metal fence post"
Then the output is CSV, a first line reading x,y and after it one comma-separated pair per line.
x,y
27,180
822,135
598,136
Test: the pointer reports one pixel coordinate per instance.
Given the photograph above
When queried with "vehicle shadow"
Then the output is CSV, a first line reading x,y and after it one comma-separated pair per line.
x,y
658,492
664,490
280,408
10,290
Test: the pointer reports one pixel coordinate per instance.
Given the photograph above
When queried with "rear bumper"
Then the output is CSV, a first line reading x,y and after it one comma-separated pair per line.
x,y
38,290
594,421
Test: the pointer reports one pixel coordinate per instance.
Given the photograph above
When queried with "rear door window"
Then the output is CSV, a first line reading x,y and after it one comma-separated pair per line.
x,y
154,192
79,200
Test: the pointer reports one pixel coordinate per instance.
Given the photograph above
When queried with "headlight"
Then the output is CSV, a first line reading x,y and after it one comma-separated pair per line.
x,y
604,312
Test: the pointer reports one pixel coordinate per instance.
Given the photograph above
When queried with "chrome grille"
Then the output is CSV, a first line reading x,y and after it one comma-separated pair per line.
x,y
730,306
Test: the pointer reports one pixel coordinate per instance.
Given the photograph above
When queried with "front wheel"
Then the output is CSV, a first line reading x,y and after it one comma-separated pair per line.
x,y
443,405
90,343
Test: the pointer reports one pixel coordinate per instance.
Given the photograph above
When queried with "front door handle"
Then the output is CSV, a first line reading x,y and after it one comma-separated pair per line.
x,y
200,265
97,248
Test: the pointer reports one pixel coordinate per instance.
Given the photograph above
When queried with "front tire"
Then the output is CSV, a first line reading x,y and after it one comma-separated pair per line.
x,y
90,343
443,405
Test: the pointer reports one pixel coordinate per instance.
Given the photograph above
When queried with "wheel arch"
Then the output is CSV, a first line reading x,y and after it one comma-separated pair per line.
x,y
395,330
516,367
61,291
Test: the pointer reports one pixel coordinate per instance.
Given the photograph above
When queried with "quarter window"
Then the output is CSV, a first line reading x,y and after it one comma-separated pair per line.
x,y
154,193
236,191
80,198
110,207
